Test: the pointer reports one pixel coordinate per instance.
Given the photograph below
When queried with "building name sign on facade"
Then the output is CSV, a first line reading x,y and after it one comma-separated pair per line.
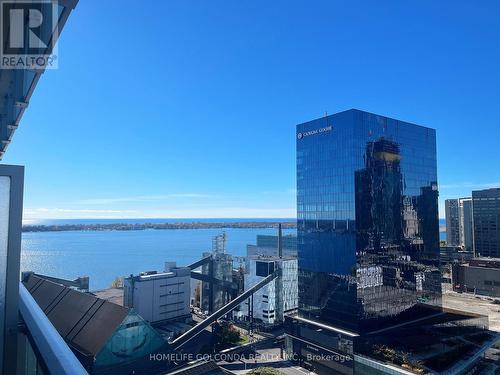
x,y
314,132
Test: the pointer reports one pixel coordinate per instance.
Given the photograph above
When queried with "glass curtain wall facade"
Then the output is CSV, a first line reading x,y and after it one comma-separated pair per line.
x,y
368,231
452,212
486,211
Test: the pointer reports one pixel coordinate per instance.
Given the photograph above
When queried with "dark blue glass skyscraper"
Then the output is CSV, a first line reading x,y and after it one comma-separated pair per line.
x,y
367,211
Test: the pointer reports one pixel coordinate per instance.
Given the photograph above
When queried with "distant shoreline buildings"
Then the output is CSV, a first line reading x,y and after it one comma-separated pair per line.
x,y
257,224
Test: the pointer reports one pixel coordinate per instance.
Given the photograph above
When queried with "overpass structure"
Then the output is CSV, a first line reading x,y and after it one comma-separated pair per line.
x,y
187,336
200,262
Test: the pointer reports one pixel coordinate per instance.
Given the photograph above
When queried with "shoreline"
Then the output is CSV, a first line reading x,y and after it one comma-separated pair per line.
x,y
157,226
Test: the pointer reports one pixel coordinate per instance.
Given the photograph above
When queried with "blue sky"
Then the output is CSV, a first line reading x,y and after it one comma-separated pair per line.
x,y
187,108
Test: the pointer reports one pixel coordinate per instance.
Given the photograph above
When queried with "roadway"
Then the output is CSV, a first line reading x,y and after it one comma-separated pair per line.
x,y
266,357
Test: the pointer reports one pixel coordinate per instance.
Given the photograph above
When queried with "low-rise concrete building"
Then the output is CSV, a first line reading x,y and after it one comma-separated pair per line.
x,y
160,297
450,254
479,275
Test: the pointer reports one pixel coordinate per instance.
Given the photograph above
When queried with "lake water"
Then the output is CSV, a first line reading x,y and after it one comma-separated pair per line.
x,y
104,255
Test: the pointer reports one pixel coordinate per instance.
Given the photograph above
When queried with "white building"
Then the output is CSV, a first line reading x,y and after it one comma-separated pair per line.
x,y
459,227
278,297
160,296
466,224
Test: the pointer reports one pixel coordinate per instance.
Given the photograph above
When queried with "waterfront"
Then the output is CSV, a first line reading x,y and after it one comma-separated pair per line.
x,y
104,255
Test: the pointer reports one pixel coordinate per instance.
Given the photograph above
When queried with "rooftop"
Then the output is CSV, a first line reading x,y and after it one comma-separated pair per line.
x,y
484,262
271,258
154,275
449,341
84,321
370,113
114,295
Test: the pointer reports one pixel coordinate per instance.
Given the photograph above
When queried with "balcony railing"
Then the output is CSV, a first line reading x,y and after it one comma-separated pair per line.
x,y
49,347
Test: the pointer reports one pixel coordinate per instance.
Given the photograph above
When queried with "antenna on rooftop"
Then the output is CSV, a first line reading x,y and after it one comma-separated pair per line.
x,y
280,241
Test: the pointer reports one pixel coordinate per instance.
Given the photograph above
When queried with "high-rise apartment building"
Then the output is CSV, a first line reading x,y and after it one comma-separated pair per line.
x,y
466,224
459,231
486,212
368,231
452,222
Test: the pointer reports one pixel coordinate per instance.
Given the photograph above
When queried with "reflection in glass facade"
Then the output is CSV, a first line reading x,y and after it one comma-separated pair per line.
x,y
368,232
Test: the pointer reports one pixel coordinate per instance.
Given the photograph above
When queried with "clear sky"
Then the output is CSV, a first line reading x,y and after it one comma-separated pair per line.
x,y
185,108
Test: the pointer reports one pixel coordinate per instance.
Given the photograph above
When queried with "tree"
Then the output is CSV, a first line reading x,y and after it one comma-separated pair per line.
x,y
117,282
266,371
225,334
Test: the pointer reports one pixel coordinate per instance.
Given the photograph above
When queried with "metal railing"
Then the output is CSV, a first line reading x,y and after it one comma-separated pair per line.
x,y
55,353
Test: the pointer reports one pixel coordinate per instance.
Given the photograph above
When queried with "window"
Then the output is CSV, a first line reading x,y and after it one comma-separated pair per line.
x,y
264,269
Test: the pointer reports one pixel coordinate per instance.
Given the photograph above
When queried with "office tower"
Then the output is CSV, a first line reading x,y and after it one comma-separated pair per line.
x,y
367,236
452,222
368,232
466,224
486,212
